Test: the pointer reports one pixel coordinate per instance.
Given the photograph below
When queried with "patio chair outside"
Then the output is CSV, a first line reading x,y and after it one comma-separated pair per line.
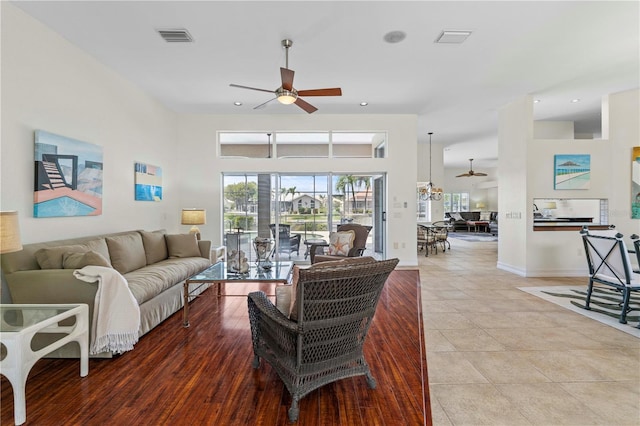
x,y
287,243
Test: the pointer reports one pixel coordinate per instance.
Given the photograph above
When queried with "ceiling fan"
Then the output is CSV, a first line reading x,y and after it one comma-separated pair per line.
x,y
286,93
471,172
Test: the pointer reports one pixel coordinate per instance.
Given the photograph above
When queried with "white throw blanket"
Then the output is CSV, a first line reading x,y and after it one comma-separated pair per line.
x,y
116,314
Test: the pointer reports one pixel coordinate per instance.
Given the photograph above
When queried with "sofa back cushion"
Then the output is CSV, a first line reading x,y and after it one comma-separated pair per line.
x,y
52,257
72,260
182,245
127,252
155,246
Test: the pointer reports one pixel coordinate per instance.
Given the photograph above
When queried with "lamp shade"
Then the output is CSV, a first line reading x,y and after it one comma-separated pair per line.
x,y
479,205
194,216
550,205
9,232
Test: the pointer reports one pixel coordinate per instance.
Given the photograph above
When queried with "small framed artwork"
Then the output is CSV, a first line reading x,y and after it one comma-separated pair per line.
x,y
572,171
148,182
635,182
68,177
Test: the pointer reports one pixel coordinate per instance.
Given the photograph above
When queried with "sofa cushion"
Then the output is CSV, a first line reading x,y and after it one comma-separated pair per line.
x,y
73,260
155,246
51,257
182,245
148,282
126,252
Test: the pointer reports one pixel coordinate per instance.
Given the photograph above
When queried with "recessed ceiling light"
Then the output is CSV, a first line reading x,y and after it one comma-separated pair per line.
x,y
364,103
455,37
394,36
575,100
237,103
536,101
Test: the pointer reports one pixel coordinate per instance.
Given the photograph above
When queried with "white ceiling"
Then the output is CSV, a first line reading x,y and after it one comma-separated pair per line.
x,y
555,51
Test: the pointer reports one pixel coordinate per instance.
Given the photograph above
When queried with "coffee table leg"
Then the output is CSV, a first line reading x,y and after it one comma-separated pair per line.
x,y
185,309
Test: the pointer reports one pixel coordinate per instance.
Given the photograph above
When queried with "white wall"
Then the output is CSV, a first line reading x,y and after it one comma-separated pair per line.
x,y
200,183
527,163
553,130
515,130
49,84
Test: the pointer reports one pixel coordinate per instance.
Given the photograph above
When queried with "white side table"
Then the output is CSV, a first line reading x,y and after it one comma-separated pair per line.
x,y
18,325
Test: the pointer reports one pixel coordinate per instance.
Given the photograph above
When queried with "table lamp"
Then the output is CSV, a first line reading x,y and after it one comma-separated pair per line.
x,y
194,217
9,242
547,207
9,232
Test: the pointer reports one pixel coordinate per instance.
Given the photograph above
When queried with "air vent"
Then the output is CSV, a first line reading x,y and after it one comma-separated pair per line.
x,y
455,37
178,35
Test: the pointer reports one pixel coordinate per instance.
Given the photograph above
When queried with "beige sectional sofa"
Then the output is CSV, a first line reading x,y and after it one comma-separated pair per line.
x,y
154,264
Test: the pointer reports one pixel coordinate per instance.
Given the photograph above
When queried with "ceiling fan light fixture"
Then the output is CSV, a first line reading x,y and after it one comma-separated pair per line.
x,y
286,94
287,97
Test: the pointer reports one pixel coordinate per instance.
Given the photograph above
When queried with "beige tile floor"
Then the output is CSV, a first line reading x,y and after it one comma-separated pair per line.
x,y
499,356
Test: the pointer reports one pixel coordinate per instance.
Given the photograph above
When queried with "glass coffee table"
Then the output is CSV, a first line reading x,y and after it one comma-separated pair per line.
x,y
19,323
217,274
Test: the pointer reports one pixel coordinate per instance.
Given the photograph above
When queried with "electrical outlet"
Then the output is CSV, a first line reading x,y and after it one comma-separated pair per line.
x,y
395,246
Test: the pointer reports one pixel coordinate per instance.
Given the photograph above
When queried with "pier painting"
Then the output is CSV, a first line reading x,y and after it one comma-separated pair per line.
x,y
572,171
68,177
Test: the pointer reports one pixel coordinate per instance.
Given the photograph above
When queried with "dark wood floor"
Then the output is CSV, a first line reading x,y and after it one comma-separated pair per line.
x,y
202,375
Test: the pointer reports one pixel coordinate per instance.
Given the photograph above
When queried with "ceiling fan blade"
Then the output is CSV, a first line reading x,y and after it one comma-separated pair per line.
x,y
464,175
252,88
480,174
305,106
262,105
287,78
336,91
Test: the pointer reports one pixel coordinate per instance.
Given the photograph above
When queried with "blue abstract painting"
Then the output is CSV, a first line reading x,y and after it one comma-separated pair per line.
x,y
148,182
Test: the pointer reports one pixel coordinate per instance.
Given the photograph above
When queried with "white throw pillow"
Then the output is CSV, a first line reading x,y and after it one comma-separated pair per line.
x,y
456,216
283,298
341,242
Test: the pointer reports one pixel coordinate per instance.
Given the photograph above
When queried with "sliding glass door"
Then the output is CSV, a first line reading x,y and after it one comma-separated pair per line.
x,y
311,205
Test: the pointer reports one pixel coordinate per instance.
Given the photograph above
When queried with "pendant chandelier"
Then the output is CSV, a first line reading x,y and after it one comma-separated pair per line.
x,y
430,192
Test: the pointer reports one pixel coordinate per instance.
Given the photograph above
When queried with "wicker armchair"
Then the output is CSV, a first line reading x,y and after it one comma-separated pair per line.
x,y
334,306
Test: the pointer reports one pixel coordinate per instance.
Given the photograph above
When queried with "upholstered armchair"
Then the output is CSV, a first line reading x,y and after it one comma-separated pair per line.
x,y
356,245
287,243
334,305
